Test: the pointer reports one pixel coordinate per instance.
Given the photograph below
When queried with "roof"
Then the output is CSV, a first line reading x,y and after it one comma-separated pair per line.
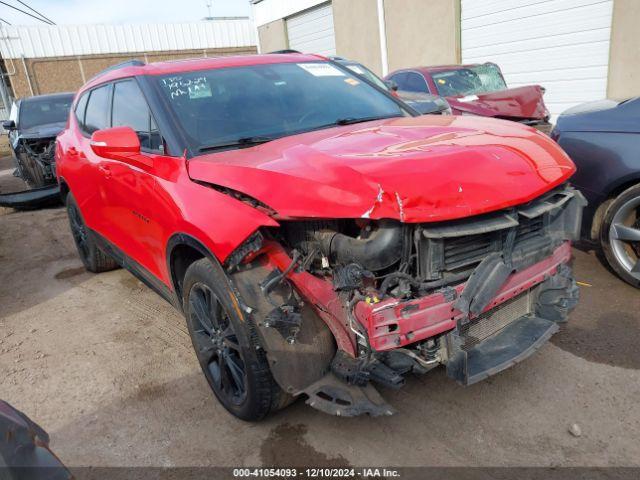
x,y
47,96
439,68
195,64
436,68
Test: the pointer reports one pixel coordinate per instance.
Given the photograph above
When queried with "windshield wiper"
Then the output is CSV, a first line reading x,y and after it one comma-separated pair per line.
x,y
352,120
243,142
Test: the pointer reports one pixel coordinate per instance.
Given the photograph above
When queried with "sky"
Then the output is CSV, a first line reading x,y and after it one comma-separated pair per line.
x,y
121,11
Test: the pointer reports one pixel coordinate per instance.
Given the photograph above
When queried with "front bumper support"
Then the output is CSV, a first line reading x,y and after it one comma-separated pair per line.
x,y
32,199
511,345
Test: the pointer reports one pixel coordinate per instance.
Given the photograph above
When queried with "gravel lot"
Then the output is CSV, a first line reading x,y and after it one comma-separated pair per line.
x,y
106,367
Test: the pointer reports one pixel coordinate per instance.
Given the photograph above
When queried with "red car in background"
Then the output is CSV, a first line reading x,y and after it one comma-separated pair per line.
x,y
478,89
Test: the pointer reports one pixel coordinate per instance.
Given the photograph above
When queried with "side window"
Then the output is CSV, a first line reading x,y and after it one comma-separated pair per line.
x,y
97,114
130,109
81,106
416,83
400,79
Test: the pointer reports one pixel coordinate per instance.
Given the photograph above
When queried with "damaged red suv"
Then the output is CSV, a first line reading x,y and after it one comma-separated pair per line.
x,y
320,236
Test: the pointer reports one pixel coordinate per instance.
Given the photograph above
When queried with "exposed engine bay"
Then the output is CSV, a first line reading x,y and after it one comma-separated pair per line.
x,y
343,302
35,164
36,160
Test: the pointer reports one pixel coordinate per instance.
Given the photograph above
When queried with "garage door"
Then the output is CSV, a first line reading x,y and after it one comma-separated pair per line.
x,y
312,31
562,45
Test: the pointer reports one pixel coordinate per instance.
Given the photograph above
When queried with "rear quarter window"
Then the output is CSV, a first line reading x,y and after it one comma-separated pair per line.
x,y
98,109
81,106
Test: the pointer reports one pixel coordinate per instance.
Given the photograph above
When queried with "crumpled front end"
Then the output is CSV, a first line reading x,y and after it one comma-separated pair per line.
x,y
341,305
35,161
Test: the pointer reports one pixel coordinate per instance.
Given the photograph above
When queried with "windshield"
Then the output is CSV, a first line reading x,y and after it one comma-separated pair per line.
x,y
366,73
469,81
224,106
42,111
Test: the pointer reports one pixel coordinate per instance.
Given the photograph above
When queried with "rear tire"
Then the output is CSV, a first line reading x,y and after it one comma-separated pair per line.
x,y
93,259
226,344
620,235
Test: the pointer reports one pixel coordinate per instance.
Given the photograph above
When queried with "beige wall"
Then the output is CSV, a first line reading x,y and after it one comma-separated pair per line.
x,y
422,32
357,32
273,36
624,61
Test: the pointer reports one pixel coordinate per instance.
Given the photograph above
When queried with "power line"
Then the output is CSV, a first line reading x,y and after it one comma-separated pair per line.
x,y
35,11
26,13
3,20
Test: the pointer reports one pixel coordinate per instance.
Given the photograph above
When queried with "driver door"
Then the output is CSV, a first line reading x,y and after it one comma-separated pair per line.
x,y
130,209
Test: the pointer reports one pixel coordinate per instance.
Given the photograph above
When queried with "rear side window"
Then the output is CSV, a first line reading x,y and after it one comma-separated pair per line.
x,y
130,109
97,115
415,83
81,106
400,79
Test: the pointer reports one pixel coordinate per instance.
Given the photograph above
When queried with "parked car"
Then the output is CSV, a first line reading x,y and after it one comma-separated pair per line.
x,y
317,234
423,103
33,125
478,89
602,138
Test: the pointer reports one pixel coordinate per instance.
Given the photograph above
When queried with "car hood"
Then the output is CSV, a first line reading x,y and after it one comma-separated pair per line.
x,y
43,131
518,103
414,169
601,116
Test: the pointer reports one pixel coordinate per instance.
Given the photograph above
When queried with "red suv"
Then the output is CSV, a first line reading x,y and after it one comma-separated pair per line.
x,y
317,233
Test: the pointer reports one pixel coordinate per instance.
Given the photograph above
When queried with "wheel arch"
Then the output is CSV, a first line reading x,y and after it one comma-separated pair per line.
x,y
64,190
182,250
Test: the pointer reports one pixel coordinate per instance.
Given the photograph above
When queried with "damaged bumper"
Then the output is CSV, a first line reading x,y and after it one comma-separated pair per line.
x,y
31,199
393,324
476,296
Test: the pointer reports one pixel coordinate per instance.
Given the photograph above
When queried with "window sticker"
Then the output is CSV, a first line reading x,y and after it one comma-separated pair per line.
x,y
192,87
321,69
351,81
199,90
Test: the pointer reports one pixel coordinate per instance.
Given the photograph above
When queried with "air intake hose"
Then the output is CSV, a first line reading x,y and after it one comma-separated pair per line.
x,y
380,250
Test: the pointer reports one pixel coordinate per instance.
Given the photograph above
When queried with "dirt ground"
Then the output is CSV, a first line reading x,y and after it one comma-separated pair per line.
x,y
106,367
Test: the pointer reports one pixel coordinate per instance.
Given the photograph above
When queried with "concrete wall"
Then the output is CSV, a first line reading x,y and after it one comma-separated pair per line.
x,y
67,74
273,36
624,60
357,32
422,32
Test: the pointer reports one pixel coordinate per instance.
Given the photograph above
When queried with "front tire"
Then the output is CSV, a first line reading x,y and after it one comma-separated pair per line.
x,y
93,259
620,235
226,344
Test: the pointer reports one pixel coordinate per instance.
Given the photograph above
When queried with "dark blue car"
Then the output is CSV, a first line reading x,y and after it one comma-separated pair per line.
x,y
603,139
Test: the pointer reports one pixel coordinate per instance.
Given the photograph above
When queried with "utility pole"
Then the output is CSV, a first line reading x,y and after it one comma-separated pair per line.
x,y
209,3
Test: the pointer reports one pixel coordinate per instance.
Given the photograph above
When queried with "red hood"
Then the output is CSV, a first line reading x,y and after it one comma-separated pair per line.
x,y
522,102
420,169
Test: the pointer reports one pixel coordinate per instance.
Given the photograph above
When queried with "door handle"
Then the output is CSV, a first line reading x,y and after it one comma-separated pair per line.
x,y
105,170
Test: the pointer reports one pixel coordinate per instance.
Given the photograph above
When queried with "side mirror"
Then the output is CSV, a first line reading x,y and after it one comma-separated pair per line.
x,y
117,143
9,125
391,85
